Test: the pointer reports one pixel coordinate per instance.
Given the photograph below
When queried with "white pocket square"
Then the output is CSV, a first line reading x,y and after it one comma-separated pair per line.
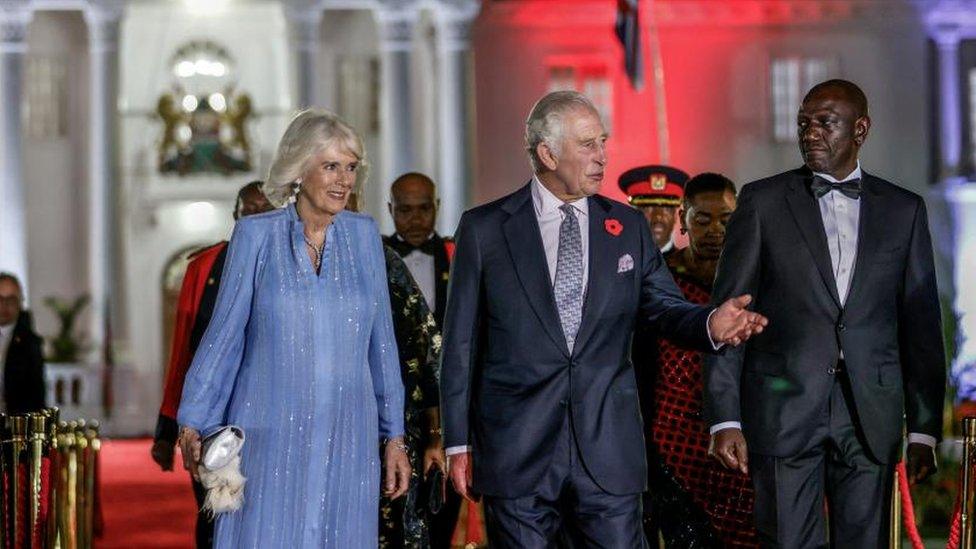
x,y
625,263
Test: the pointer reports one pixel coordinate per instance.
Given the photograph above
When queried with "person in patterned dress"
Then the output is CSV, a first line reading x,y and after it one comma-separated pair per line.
x,y
404,522
694,501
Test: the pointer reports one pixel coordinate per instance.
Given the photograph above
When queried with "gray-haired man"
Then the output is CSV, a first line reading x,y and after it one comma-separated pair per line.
x,y
538,397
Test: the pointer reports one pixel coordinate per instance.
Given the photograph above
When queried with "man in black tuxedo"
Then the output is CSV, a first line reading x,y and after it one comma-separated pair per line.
x,y
23,386
840,261
413,206
538,397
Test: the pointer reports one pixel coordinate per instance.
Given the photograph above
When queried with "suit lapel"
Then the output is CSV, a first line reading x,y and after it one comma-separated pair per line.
x,y
870,229
529,259
600,259
806,213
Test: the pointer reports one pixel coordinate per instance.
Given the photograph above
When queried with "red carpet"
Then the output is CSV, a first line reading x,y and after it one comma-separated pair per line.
x,y
143,507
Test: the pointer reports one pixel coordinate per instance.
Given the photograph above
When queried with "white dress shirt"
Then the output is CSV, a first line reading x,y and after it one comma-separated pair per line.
x,y
6,336
421,267
841,216
550,218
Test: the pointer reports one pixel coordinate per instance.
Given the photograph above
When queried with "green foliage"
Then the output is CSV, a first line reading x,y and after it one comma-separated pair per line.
x,y
66,346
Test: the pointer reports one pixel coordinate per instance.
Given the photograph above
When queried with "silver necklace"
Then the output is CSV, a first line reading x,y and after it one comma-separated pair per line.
x,y
319,250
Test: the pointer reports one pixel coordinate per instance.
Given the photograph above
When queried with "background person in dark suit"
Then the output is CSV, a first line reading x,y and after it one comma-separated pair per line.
x,y
840,261
23,387
538,396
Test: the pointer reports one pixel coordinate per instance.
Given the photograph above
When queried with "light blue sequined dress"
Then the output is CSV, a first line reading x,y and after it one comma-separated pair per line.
x,y
307,364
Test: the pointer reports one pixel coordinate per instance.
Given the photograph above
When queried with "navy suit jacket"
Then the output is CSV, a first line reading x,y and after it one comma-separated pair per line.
x,y
508,380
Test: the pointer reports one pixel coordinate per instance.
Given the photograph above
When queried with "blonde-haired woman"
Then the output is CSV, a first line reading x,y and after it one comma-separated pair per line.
x,y
300,352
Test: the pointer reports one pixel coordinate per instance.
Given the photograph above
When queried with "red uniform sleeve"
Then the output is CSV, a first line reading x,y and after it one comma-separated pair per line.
x,y
180,358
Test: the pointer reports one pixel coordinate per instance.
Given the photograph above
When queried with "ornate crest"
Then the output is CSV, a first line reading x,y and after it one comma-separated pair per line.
x,y
204,117
658,181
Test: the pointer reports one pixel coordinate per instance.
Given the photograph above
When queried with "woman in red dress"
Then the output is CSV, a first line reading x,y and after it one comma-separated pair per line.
x,y
693,501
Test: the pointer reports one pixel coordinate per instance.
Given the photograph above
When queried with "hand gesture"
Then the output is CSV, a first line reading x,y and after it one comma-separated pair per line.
x,y
920,462
728,446
162,453
189,443
396,465
733,324
459,467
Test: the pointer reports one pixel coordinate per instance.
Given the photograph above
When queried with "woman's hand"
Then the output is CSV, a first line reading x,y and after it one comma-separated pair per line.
x,y
189,443
397,468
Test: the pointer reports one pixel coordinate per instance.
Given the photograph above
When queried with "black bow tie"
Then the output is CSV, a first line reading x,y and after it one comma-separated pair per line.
x,y
404,248
850,188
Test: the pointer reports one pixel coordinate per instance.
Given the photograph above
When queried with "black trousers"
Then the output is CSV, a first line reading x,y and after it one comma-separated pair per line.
x,y
568,503
205,524
835,467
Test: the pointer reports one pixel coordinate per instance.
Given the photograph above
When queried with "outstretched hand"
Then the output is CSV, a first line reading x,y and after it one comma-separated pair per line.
x,y
733,324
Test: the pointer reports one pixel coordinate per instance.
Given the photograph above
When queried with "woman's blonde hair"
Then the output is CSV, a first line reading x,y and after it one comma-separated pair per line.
x,y
308,134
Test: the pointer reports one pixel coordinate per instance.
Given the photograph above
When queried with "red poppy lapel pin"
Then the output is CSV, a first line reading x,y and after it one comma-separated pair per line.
x,y
613,226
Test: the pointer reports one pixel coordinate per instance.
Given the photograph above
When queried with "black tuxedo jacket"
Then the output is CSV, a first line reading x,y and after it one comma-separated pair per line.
x,y
23,369
889,328
443,249
508,380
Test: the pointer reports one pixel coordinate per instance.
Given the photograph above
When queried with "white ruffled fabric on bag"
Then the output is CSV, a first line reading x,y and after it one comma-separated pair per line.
x,y
220,471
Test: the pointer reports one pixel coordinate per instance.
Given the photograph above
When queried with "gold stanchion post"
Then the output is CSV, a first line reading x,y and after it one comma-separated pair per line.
x,y
37,441
51,424
894,530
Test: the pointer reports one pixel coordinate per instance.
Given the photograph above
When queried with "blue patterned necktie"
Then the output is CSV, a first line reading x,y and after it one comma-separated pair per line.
x,y
568,285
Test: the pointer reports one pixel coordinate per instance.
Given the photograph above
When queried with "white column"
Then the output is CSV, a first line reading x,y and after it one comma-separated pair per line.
x,y
950,125
397,151
103,31
455,131
304,24
13,223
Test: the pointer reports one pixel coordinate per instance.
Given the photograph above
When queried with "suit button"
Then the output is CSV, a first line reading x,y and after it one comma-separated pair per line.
x,y
563,402
841,327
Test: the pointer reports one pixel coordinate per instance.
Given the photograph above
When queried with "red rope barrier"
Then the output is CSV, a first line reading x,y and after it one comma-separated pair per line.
x,y
955,527
908,508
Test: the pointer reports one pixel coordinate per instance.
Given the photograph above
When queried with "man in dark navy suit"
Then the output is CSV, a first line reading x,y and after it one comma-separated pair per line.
x,y
538,397
815,408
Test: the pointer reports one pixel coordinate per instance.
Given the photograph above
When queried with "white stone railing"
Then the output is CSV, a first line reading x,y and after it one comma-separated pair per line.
x,y
75,388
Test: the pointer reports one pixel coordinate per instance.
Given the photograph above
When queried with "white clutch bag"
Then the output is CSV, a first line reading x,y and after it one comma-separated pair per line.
x,y
220,470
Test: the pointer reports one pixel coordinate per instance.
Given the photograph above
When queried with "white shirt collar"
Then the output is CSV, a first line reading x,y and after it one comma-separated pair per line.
x,y
547,204
401,239
856,174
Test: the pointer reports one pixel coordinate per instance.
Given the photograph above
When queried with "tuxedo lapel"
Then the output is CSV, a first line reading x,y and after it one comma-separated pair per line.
x,y
529,259
600,261
870,232
806,213
442,267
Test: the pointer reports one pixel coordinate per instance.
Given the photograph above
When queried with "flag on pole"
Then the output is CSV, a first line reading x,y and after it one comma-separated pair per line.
x,y
628,32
